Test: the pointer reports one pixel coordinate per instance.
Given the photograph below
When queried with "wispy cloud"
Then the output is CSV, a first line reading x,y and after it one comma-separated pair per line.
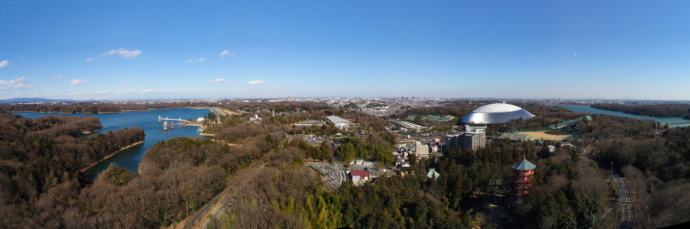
x,y
4,63
124,53
125,81
256,82
575,54
195,60
75,81
57,77
225,53
104,94
154,90
218,81
14,84
88,59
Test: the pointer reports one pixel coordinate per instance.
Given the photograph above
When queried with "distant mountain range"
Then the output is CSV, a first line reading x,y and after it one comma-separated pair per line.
x,y
33,100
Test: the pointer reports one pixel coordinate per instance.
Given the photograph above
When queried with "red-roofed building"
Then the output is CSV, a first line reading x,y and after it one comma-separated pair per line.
x,y
359,177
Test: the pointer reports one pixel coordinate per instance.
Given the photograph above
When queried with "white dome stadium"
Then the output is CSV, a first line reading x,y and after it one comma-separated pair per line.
x,y
496,113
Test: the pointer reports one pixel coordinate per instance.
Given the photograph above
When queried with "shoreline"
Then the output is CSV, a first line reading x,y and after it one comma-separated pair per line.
x,y
109,156
645,116
123,111
86,133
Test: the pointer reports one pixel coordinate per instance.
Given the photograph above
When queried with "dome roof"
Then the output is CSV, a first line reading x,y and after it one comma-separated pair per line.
x,y
497,108
496,113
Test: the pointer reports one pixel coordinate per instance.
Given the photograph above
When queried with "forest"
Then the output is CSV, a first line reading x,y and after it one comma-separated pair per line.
x,y
286,194
178,176
658,168
41,156
656,110
94,108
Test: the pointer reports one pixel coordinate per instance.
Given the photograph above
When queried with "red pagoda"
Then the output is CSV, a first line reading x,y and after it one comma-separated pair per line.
x,y
523,179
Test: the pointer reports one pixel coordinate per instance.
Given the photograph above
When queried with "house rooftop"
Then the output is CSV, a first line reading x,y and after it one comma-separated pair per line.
x,y
359,173
432,173
336,119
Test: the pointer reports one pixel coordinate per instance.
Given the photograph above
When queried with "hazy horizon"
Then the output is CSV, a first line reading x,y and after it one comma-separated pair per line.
x,y
84,50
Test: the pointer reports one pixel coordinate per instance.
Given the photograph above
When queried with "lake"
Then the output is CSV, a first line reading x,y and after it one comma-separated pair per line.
x,y
662,120
146,120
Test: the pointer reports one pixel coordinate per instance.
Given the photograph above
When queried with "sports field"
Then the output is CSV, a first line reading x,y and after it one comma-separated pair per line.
x,y
540,135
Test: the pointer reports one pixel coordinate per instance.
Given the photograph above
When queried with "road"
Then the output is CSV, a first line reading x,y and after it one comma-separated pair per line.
x,y
217,111
239,183
625,203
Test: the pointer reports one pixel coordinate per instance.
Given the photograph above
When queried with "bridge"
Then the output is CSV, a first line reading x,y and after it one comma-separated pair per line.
x,y
172,124
170,119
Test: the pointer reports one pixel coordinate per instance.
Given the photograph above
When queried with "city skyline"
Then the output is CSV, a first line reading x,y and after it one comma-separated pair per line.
x,y
157,50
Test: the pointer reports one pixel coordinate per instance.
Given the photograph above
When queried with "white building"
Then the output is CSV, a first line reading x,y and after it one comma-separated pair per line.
x,y
339,122
422,150
496,113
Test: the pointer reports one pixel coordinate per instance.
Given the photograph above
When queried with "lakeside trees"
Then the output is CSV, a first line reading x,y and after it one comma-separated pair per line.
x,y
40,161
656,110
93,108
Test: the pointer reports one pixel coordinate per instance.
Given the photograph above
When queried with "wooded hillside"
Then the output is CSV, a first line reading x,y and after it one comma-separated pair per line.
x,y
40,156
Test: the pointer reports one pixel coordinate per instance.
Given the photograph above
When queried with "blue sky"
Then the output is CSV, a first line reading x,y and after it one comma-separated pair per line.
x,y
258,49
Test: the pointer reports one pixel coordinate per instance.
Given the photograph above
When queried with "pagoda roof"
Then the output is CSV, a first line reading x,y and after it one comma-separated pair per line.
x,y
524,165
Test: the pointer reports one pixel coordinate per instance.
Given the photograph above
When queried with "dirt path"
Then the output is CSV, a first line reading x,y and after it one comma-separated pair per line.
x,y
229,112
237,184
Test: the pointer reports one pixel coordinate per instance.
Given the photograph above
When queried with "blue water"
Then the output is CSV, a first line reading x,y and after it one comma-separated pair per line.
x,y
146,120
662,120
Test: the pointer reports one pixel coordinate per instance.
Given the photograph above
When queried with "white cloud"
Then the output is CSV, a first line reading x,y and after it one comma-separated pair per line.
x,y
14,84
105,94
154,90
4,63
57,77
575,54
125,81
195,60
89,59
256,82
226,53
124,53
75,81
218,81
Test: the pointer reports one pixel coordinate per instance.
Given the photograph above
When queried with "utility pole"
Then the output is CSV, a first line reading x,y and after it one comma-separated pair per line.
x,y
612,169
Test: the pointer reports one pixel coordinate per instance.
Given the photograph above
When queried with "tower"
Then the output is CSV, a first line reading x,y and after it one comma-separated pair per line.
x,y
523,179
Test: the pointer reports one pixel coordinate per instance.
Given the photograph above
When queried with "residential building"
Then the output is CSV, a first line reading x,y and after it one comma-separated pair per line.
x,y
359,177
